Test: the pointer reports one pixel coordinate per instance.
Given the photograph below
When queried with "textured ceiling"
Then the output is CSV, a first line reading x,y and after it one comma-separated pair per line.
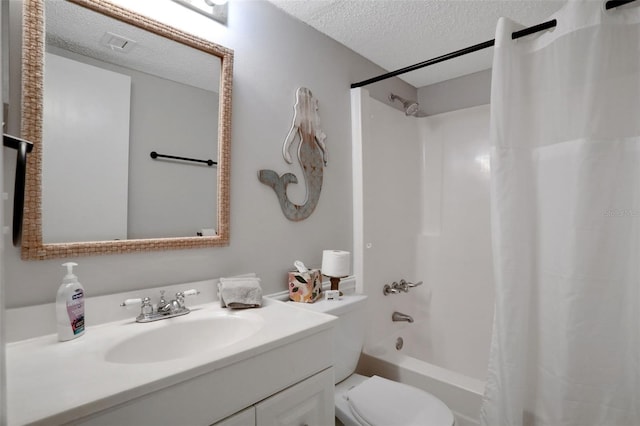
x,y
398,33
77,29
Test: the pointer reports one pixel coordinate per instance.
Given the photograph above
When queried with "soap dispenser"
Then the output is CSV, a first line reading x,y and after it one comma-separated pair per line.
x,y
70,306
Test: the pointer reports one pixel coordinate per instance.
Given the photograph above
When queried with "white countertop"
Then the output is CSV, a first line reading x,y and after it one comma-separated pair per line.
x,y
53,382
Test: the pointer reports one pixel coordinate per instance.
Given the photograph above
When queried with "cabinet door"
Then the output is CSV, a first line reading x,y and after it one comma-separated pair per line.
x,y
309,403
243,418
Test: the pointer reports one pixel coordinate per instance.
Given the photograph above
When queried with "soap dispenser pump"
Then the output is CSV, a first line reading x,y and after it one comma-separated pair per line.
x,y
70,306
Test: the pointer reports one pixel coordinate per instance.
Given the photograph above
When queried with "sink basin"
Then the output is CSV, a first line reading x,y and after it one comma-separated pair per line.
x,y
181,337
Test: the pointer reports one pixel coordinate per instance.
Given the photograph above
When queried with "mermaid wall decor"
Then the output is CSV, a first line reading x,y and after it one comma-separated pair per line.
x,y
312,156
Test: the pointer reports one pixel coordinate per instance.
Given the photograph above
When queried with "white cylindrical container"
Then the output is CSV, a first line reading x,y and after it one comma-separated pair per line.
x,y
336,263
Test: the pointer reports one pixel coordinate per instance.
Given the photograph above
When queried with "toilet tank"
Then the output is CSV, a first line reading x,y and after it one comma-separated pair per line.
x,y
348,332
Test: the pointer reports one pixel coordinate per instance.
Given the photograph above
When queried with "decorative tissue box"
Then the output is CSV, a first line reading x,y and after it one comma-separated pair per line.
x,y
305,287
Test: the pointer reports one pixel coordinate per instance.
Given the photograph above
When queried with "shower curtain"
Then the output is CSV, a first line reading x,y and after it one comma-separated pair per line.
x,y
565,130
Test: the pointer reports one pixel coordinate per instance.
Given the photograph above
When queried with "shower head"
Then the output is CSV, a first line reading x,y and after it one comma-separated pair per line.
x,y
411,108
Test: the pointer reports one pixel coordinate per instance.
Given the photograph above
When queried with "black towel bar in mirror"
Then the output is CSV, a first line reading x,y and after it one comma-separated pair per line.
x,y
155,155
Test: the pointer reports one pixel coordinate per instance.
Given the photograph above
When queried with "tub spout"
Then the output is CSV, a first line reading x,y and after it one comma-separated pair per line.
x,y
399,316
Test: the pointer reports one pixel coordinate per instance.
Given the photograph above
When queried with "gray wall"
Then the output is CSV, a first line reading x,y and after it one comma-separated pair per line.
x,y
274,54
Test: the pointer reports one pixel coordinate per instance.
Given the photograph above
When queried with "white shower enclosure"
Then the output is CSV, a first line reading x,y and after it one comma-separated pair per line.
x,y
421,212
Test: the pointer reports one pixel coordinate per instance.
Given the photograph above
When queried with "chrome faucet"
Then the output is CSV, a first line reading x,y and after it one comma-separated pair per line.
x,y
171,307
402,286
164,309
399,316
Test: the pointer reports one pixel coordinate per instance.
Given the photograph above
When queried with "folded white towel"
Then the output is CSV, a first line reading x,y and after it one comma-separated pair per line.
x,y
240,292
247,275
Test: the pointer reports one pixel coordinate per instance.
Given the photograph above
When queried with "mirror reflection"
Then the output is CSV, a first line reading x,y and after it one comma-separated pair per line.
x,y
112,94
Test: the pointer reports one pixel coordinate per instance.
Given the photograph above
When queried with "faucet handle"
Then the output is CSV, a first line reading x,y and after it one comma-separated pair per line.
x,y
132,302
147,307
410,285
390,289
181,295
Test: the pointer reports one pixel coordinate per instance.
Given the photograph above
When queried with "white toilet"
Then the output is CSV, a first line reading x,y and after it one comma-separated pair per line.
x,y
372,401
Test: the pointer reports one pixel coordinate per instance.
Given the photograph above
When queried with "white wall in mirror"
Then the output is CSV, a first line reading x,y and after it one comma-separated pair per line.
x,y
86,143
172,198
174,110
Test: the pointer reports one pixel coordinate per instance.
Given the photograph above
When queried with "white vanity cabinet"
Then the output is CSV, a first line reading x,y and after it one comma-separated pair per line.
x,y
309,403
291,384
283,373
243,418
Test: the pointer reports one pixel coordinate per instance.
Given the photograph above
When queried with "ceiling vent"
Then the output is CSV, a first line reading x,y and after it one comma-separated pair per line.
x,y
117,42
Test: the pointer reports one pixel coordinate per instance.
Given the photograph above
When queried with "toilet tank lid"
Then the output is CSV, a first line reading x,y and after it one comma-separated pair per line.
x,y
336,307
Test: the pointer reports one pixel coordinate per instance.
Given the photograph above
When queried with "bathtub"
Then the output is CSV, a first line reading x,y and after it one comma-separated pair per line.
x,y
462,394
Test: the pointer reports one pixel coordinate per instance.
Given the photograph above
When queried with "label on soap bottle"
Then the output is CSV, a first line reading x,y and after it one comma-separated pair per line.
x,y
75,309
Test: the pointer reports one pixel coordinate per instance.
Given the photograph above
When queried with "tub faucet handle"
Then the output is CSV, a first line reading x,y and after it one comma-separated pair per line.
x,y
390,289
404,283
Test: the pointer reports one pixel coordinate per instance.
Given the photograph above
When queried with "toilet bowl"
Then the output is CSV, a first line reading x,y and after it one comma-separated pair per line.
x,y
372,401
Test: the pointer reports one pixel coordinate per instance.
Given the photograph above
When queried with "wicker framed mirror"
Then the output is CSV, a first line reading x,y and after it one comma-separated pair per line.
x,y
36,243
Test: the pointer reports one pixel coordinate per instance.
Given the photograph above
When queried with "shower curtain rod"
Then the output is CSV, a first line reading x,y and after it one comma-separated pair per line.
x,y
611,4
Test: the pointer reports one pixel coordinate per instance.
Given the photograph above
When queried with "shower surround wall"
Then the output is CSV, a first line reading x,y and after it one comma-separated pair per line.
x,y
388,216
422,213
454,247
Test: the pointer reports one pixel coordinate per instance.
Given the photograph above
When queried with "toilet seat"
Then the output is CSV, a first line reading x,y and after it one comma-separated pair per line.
x,y
379,401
